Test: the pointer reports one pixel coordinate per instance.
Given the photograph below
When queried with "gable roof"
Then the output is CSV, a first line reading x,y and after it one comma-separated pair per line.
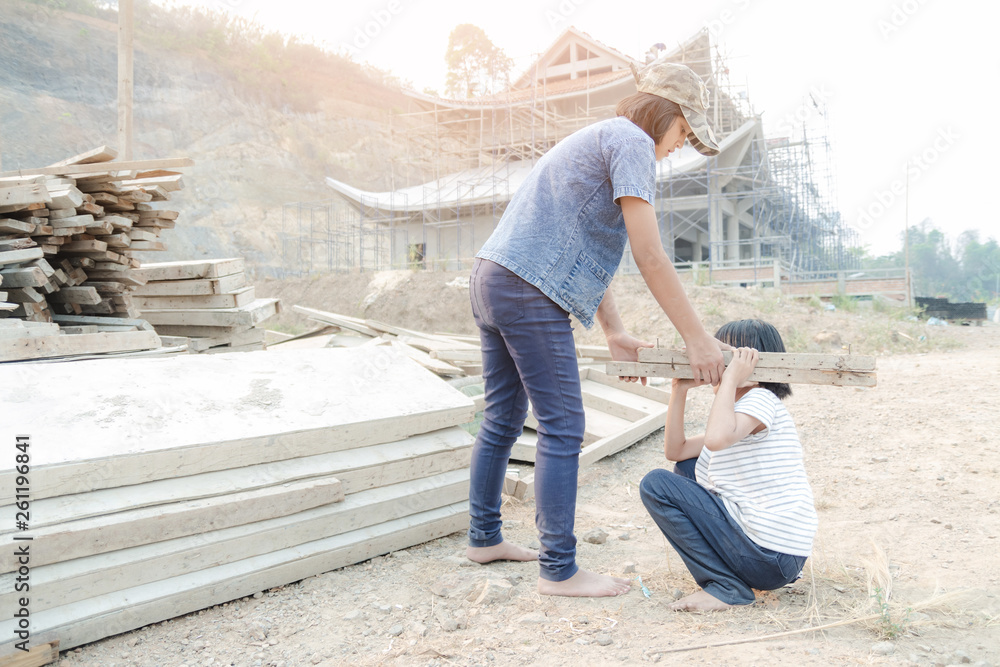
x,y
561,44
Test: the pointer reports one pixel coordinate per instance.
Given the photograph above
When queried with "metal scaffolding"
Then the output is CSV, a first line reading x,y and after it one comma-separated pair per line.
x,y
777,205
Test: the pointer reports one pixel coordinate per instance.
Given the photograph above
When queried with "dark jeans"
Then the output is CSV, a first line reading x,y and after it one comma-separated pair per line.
x,y
722,559
528,353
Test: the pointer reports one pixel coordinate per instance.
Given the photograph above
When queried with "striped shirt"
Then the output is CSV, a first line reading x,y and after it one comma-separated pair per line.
x,y
762,480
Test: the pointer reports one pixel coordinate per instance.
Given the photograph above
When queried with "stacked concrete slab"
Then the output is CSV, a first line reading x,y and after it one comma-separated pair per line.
x,y
166,485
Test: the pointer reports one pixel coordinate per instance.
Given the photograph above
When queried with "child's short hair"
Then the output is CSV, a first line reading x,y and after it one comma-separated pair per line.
x,y
762,337
652,113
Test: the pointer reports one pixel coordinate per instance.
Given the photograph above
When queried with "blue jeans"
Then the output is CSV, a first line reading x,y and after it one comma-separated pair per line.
x,y
722,559
528,353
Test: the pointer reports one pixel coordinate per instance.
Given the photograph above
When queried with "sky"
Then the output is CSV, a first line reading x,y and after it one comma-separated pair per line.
x,y
910,87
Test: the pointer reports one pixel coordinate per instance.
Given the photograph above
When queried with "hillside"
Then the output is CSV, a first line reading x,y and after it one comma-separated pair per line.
x,y
264,122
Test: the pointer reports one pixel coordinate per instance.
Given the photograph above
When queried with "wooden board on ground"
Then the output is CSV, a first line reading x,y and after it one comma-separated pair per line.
x,y
121,530
92,619
137,420
355,469
825,369
71,581
342,321
618,414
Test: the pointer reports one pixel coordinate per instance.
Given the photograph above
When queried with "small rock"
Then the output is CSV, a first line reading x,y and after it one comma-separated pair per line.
x,y
629,567
960,658
449,625
316,659
935,520
603,639
677,594
396,630
582,641
454,585
625,537
258,595
880,459
419,629
883,648
534,544
400,554
533,618
352,615
514,579
595,536
493,591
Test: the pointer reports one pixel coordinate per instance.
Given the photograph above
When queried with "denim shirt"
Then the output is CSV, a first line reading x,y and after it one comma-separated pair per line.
x,y
563,230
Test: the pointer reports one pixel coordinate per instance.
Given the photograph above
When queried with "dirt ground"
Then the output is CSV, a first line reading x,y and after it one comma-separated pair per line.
x,y
906,477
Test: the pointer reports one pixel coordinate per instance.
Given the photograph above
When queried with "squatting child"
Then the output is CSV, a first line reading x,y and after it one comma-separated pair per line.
x,y
738,507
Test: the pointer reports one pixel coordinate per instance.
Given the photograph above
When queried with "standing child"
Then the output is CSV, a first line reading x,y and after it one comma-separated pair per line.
x,y
553,255
738,507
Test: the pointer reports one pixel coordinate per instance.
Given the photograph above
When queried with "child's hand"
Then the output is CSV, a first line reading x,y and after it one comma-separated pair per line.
x,y
741,366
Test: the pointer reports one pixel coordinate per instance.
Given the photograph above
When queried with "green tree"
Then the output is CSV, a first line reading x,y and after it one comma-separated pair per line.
x,y
476,66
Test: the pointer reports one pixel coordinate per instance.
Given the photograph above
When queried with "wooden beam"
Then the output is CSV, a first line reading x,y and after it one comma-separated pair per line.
x,y
72,581
61,346
99,154
102,167
796,368
126,21
38,656
126,610
191,270
130,528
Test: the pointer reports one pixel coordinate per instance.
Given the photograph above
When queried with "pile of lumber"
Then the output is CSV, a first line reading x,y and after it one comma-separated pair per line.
x,y
192,481
67,237
204,304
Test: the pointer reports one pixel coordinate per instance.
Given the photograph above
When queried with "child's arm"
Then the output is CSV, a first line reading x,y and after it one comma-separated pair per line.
x,y
675,445
725,426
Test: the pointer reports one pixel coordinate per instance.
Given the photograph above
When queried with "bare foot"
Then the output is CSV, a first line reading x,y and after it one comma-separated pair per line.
x,y
502,551
586,585
700,601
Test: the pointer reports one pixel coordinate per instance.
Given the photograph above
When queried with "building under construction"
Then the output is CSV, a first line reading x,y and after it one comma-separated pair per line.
x,y
758,212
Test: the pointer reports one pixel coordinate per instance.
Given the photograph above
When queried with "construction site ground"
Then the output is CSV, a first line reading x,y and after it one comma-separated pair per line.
x,y
906,478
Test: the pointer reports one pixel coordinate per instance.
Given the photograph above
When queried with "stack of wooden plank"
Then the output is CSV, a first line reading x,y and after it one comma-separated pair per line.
x,y
67,237
192,481
205,304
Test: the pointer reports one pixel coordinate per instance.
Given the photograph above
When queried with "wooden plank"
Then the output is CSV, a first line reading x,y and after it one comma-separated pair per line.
x,y
114,613
236,299
223,285
425,360
18,256
191,270
65,197
23,277
793,375
148,246
110,321
607,404
62,346
99,154
37,656
356,469
63,583
75,295
380,396
104,167
15,197
622,439
525,489
637,388
852,363
342,321
8,226
246,316
121,530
